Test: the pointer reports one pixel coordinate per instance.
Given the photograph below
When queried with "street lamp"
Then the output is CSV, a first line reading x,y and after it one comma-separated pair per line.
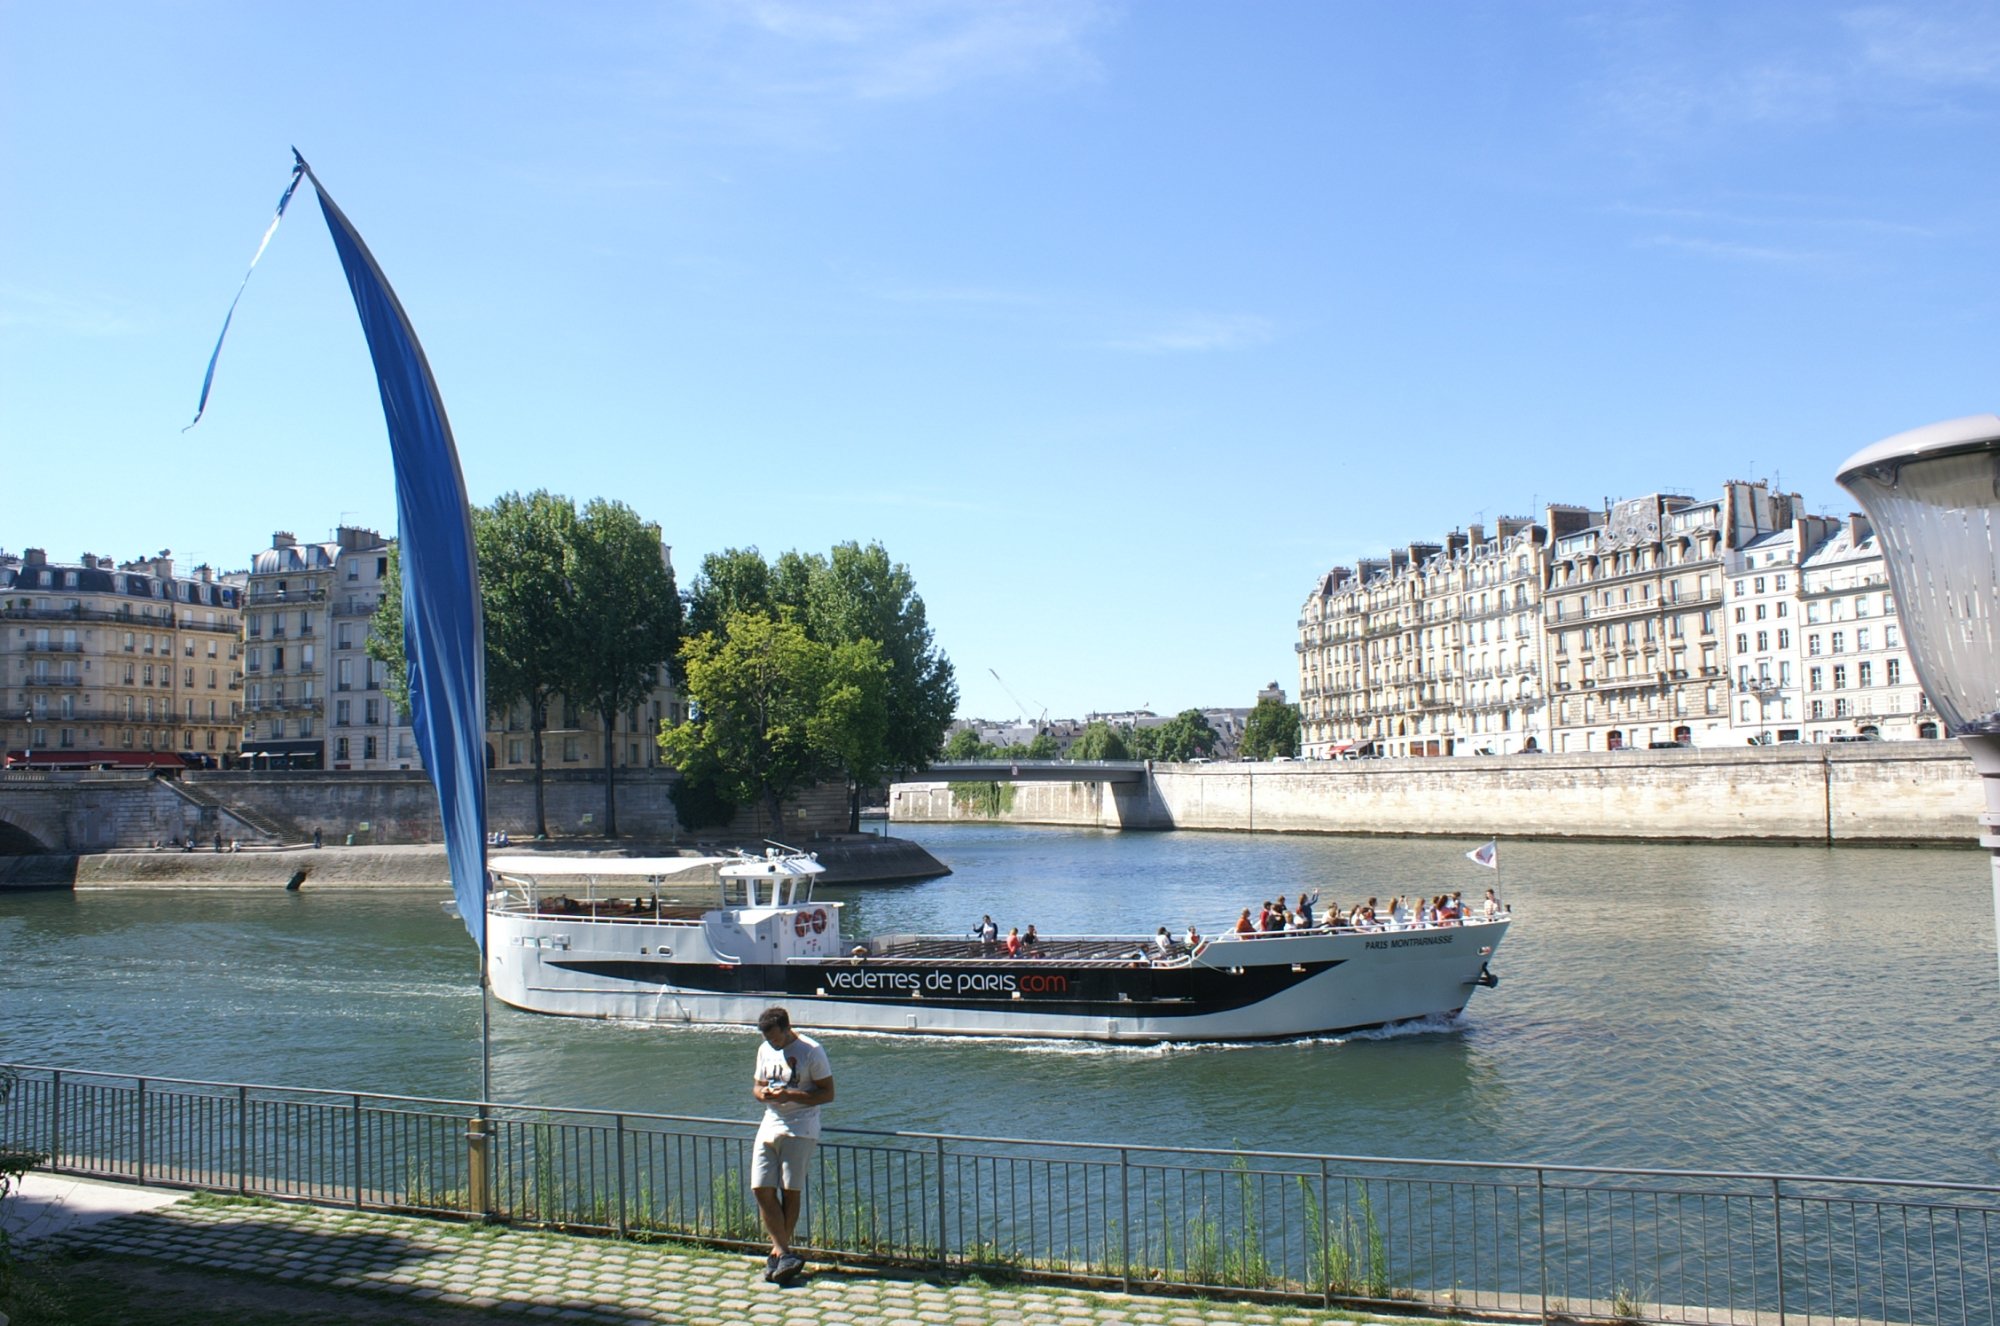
x,y
1763,688
1933,496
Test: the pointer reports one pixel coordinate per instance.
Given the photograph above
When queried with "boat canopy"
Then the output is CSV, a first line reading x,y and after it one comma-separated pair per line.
x,y
607,867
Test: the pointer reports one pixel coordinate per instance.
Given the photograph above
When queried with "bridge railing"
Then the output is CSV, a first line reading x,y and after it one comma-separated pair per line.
x,y
1465,1238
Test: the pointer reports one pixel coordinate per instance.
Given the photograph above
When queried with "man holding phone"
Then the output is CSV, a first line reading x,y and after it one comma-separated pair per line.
x,y
793,1080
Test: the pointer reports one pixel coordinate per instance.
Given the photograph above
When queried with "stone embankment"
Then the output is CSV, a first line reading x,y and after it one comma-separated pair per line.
x,y
1872,792
850,859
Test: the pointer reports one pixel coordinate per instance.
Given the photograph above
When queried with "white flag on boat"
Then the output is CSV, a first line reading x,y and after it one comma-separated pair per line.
x,y
1486,854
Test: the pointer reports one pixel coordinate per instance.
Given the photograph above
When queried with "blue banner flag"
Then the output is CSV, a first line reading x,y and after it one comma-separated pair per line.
x,y
284,199
443,637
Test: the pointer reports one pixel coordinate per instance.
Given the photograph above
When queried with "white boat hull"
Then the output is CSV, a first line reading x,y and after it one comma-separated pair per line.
x,y
1254,988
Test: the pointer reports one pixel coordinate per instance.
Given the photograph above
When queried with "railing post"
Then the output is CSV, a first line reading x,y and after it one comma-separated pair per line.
x,y
1542,1235
55,1120
1325,1249
1778,1239
142,1130
1125,1219
242,1141
357,1151
478,1174
943,1249
624,1228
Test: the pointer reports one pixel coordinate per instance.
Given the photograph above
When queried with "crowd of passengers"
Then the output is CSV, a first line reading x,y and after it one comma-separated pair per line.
x,y
1400,914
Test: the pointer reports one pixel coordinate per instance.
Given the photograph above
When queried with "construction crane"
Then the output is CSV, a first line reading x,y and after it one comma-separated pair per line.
x,y
1040,723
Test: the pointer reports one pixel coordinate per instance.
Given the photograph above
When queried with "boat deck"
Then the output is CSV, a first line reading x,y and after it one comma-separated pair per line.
x,y
1090,948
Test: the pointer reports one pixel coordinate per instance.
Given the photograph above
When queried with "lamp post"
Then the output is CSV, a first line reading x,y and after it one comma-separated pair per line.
x,y
1933,496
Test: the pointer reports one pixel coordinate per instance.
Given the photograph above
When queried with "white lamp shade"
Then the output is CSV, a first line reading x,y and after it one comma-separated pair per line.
x,y
1933,496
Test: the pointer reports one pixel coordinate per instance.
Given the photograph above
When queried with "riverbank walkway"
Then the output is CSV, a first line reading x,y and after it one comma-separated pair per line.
x,y
429,1266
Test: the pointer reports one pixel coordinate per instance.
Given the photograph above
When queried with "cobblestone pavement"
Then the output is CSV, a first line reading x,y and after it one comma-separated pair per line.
x,y
556,1277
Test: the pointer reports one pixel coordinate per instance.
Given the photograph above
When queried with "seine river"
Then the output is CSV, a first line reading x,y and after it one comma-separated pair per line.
x,y
1796,1009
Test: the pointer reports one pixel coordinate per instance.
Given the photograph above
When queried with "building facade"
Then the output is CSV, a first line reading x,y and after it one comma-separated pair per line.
x,y
1858,681
118,665
1433,650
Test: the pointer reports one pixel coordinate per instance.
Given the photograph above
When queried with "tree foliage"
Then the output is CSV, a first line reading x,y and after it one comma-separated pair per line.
x,y
1099,741
1184,737
775,710
579,606
855,598
1271,729
625,613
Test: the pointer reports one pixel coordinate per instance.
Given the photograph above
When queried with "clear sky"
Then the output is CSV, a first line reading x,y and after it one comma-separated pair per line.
x,y
1118,323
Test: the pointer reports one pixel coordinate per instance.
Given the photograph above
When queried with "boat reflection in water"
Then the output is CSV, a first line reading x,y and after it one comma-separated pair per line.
x,y
719,939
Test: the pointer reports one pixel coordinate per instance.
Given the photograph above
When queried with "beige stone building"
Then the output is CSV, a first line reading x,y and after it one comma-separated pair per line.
x,y
1637,645
1433,650
127,664
319,701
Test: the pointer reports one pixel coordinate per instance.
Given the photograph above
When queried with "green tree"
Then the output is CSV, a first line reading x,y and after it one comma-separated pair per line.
x,y
1043,747
1143,742
523,545
1272,729
775,710
856,595
965,745
625,621
1184,737
733,580
1099,742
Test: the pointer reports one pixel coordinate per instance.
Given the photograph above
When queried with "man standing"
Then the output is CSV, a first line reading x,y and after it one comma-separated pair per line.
x,y
793,1080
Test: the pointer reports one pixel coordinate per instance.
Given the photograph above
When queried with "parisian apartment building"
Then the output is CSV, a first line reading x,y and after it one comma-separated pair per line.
x,y
124,664
1664,620
314,699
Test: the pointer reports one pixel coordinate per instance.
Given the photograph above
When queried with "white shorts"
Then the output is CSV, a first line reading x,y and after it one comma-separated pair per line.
x,y
780,1160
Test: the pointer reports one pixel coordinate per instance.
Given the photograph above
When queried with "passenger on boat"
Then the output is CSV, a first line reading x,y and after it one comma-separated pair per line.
x,y
1013,941
987,932
1031,942
1490,908
1164,942
1244,925
1264,916
1306,910
1193,938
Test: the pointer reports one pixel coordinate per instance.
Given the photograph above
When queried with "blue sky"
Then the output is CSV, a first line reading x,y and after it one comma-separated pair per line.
x,y
1118,323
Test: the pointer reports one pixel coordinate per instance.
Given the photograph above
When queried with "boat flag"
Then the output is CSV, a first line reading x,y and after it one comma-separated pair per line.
x,y
443,635
1486,854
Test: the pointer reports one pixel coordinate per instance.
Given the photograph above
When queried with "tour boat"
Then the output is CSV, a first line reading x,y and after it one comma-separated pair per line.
x,y
717,940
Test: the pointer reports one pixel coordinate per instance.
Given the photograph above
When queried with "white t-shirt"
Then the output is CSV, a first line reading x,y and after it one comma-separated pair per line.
x,y
800,1066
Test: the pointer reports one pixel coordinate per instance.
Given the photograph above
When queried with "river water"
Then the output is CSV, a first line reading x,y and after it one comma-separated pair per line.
x,y
1799,1009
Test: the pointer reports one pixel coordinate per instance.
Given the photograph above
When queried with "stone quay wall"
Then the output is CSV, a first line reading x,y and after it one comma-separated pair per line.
x,y
100,812
1864,792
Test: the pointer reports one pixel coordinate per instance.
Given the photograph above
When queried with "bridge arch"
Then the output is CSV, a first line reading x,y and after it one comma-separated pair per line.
x,y
17,841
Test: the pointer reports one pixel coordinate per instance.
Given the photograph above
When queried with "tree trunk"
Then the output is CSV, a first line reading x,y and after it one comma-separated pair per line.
x,y
538,718
853,807
610,774
776,810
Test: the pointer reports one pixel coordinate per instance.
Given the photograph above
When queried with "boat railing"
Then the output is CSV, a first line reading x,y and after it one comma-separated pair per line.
x,y
1380,928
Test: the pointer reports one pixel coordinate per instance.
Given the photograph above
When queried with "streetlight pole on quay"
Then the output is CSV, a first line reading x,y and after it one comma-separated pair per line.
x,y
1933,496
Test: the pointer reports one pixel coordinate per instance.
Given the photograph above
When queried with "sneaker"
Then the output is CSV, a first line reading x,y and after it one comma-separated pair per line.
x,y
771,1269
788,1266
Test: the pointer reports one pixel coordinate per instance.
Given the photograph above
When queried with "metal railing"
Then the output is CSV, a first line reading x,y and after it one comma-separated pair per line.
x,y
1468,1238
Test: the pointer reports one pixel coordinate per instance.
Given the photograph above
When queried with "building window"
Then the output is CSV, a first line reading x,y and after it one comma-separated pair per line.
x,y
1742,644
1784,638
1865,674
1814,679
1817,709
368,748
1841,708
1840,676
1861,641
340,748
572,750
1812,644
1893,671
